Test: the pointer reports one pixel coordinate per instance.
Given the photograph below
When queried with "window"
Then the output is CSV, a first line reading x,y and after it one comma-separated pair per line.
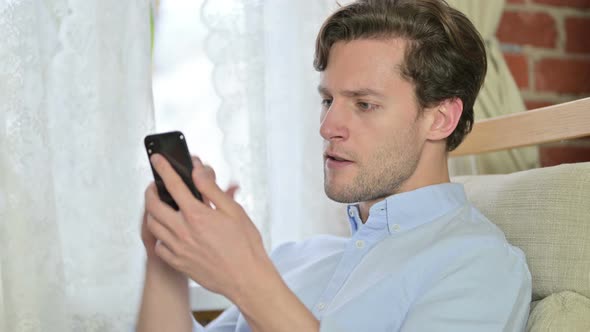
x,y
184,97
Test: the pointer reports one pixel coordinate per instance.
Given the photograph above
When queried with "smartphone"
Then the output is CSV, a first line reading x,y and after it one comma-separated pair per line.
x,y
172,146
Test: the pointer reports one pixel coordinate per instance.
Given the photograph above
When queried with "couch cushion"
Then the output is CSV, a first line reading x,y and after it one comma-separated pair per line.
x,y
564,311
546,213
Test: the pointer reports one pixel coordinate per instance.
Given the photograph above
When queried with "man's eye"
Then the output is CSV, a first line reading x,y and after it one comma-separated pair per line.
x,y
326,103
363,106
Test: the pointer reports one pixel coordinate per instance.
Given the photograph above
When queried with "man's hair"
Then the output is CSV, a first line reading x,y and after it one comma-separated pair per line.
x,y
445,56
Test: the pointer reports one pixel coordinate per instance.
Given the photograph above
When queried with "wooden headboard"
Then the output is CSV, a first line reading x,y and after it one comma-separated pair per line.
x,y
543,125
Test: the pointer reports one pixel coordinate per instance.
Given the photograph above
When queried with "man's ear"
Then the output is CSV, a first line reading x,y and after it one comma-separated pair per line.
x,y
445,117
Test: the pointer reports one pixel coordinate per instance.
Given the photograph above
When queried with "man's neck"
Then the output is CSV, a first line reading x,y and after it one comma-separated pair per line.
x,y
431,169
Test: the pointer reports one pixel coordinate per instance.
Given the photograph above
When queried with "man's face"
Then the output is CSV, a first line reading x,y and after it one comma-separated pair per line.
x,y
370,121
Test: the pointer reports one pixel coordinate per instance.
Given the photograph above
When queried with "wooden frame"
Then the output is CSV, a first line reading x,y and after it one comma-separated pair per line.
x,y
548,124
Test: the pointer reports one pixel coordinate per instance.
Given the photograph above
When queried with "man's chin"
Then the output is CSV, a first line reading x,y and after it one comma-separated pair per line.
x,y
339,196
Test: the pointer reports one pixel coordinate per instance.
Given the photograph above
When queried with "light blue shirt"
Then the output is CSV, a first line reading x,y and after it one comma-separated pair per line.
x,y
425,260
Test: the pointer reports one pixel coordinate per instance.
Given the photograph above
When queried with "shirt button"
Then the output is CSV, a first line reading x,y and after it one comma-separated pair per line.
x,y
351,212
321,306
396,228
359,244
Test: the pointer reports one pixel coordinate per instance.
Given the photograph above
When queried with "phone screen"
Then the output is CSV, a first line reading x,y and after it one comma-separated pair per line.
x,y
172,145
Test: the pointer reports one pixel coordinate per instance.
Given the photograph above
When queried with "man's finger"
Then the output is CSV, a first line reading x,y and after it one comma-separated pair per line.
x,y
166,254
196,160
173,183
161,233
205,180
198,163
161,211
231,191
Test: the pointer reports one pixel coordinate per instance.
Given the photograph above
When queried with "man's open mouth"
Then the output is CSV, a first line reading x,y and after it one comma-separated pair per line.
x,y
336,158
335,161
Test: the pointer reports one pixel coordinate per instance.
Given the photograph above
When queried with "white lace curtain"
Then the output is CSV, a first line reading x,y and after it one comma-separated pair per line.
x,y
239,82
262,52
76,102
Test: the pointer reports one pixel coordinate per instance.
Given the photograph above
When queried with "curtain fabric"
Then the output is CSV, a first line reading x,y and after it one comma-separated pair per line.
x,y
269,112
499,95
76,103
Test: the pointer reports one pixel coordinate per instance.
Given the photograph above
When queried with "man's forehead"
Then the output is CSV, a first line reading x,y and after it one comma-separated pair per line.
x,y
366,57
392,44
358,83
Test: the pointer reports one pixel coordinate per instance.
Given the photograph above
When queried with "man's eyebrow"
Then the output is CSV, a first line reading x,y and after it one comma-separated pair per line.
x,y
352,93
323,90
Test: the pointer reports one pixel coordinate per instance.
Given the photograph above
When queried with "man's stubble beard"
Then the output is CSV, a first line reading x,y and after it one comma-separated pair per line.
x,y
383,175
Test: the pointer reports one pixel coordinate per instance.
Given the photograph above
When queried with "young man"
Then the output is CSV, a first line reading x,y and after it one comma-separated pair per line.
x,y
398,83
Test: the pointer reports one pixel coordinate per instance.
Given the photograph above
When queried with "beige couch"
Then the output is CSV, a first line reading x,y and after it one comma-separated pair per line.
x,y
546,213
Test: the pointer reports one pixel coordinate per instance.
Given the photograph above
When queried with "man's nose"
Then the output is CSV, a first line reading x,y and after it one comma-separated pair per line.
x,y
334,122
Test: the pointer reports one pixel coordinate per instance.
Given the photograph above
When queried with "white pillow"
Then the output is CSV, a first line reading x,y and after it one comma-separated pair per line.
x,y
561,312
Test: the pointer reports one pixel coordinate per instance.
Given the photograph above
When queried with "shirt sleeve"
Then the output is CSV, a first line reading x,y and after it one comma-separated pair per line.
x,y
487,291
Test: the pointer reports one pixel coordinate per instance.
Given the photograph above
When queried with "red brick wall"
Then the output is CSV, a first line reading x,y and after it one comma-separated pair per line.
x,y
546,44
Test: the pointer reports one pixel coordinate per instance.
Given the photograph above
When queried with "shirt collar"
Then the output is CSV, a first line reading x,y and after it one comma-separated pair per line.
x,y
407,210
354,218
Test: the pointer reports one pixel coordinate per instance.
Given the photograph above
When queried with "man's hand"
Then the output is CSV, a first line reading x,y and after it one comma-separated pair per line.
x,y
148,239
213,242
